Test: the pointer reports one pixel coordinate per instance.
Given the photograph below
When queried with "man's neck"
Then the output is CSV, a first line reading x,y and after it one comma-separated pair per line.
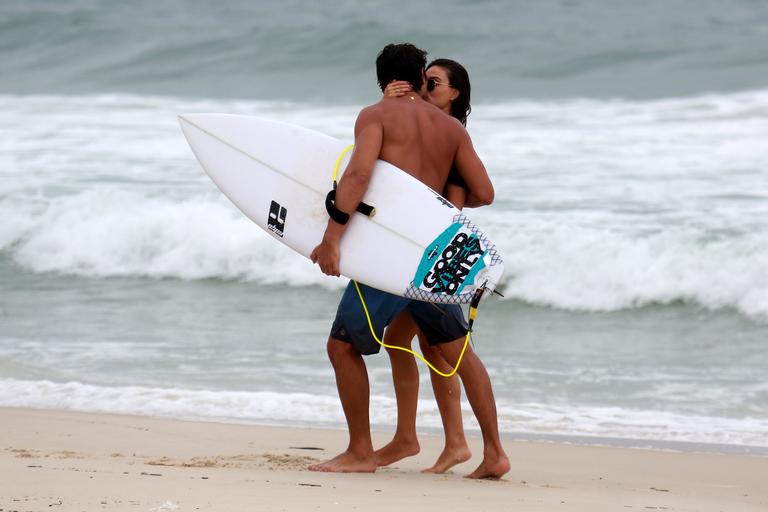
x,y
411,96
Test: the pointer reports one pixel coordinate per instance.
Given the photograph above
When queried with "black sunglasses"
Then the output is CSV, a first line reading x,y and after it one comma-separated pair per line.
x,y
433,82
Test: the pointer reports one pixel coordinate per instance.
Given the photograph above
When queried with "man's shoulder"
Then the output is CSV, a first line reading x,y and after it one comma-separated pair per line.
x,y
447,124
368,117
453,123
370,113
377,107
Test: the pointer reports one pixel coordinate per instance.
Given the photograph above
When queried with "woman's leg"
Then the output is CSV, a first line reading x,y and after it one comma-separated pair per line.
x,y
405,376
477,386
448,396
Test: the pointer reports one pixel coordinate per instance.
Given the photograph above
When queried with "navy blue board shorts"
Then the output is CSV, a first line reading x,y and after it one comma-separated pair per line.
x,y
440,323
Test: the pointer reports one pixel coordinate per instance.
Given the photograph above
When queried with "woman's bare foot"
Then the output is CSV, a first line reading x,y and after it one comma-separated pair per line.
x,y
346,462
492,467
396,450
449,458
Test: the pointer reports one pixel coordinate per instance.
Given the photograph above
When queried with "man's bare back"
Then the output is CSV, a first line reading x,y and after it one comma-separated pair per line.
x,y
418,138
422,140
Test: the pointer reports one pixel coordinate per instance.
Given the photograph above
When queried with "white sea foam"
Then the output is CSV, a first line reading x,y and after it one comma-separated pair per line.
x,y
114,233
601,205
591,269
117,233
304,408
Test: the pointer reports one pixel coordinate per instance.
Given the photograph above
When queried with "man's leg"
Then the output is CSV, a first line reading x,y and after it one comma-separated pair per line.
x,y
350,339
477,385
352,383
405,377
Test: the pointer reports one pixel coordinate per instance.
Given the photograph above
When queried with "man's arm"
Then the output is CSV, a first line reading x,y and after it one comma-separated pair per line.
x,y
479,187
456,194
369,134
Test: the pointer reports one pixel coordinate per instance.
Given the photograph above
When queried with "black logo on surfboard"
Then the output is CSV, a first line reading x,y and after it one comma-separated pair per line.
x,y
276,218
457,259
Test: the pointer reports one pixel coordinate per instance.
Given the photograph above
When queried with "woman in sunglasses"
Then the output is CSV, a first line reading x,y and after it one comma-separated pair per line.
x,y
447,87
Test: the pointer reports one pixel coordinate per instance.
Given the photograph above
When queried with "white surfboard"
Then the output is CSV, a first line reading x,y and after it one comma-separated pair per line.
x,y
416,245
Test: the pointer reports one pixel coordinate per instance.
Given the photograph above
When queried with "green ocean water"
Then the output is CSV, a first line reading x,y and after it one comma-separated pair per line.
x,y
305,50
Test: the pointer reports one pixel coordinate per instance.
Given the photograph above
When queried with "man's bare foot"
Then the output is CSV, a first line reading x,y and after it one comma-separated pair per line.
x,y
346,462
491,467
449,458
396,450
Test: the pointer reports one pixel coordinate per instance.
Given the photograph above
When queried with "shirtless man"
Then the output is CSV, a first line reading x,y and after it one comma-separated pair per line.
x,y
417,137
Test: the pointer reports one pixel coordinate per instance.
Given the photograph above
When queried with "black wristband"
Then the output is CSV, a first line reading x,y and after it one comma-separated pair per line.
x,y
336,214
343,217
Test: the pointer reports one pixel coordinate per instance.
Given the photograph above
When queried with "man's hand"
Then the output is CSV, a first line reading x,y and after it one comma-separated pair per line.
x,y
327,255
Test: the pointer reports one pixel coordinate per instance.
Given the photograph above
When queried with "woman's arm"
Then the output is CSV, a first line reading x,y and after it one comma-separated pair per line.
x,y
397,88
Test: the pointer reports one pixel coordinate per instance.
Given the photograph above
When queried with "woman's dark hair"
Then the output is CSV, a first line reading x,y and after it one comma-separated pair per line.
x,y
401,62
459,80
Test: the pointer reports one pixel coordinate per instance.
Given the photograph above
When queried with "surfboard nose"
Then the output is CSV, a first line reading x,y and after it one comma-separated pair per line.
x,y
192,118
212,124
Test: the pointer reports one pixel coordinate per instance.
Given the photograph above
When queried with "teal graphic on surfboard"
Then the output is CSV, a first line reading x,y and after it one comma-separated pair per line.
x,y
451,262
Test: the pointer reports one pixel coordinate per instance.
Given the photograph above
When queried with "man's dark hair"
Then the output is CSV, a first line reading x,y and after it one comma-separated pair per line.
x,y
401,62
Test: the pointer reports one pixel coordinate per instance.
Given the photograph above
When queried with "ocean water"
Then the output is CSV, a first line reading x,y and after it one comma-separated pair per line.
x,y
626,142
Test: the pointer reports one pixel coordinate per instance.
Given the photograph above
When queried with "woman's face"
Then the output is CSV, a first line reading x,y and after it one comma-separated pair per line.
x,y
443,94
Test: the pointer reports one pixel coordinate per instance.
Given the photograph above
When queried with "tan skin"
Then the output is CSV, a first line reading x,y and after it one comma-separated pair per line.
x,y
401,331
420,139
